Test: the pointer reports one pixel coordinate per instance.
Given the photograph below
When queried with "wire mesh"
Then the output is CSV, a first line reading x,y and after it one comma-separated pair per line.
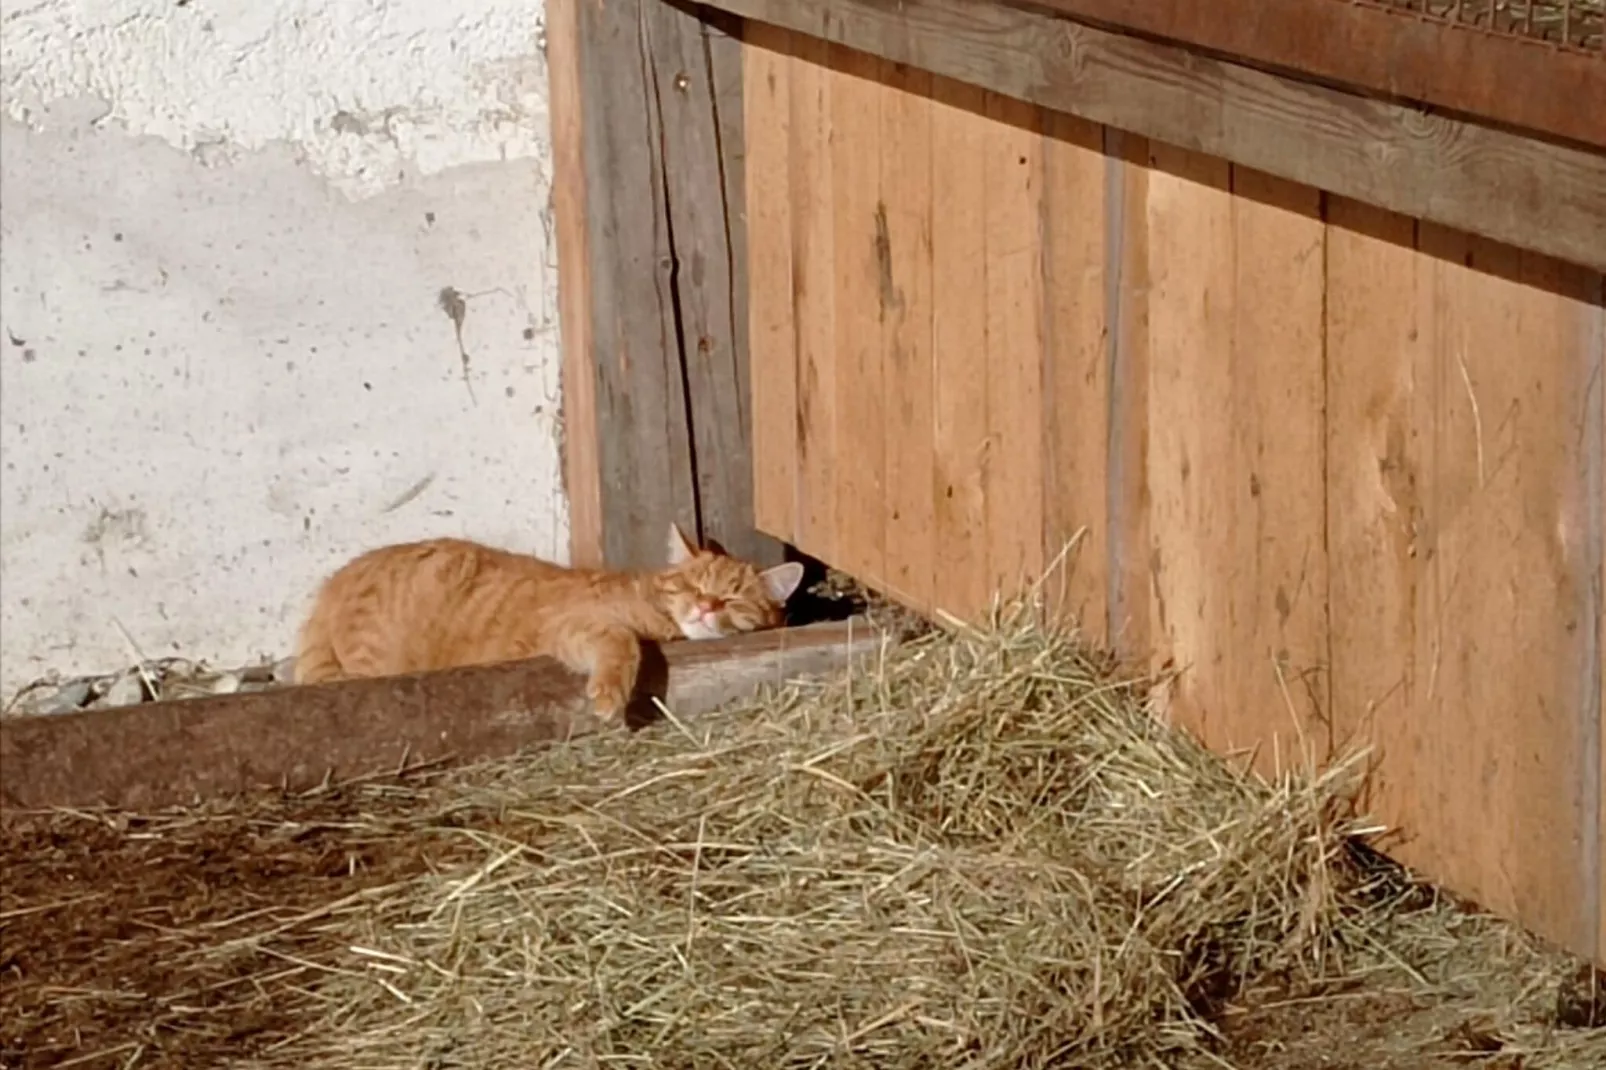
x,y
1573,25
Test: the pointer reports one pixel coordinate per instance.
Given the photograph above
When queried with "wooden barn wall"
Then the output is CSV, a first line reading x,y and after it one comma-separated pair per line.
x,y
1342,467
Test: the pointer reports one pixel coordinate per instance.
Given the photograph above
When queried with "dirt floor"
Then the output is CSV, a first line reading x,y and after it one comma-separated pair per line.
x,y
115,940
111,923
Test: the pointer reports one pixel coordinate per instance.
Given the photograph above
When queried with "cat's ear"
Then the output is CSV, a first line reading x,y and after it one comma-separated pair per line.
x,y
680,547
782,580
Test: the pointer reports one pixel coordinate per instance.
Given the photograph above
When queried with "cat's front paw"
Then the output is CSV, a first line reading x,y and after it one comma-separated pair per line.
x,y
608,703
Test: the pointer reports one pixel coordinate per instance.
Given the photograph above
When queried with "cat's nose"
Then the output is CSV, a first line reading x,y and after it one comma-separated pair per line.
x,y
711,605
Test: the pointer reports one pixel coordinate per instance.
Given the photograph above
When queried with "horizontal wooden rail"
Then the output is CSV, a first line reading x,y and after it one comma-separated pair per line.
x,y
175,753
1525,192
1457,67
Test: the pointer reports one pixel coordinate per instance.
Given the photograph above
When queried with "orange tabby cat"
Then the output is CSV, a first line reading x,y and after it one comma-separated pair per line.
x,y
449,602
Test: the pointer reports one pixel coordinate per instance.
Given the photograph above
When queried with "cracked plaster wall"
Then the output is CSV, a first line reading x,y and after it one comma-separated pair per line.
x,y
230,235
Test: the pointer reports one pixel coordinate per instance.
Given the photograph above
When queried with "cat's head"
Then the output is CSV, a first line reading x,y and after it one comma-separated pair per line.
x,y
711,594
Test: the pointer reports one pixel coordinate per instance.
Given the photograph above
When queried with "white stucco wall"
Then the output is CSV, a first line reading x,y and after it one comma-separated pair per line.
x,y
225,367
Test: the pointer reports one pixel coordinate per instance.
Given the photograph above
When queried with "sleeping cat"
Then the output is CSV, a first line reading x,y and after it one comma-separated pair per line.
x,y
449,602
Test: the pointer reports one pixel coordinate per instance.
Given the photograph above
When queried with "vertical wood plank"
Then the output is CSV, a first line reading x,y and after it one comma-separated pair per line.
x,y
582,475
702,132
1076,380
959,337
856,97
1191,280
1236,467
767,102
643,442
905,286
1279,596
1501,641
724,45
1374,345
1013,457
813,297
1129,553
1461,564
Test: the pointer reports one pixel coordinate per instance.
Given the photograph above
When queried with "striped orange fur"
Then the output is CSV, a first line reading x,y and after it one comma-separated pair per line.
x,y
442,603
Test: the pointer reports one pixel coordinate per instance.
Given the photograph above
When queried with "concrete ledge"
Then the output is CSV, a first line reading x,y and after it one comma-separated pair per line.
x,y
181,752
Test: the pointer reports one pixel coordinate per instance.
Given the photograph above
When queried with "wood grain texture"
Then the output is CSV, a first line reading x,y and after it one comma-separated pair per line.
x,y
1235,463
1012,460
642,439
814,297
650,208
1432,61
859,217
905,285
1279,516
1260,401
1459,477
1481,179
1374,495
1503,547
959,338
694,86
1190,359
767,100
582,476
1076,371
727,487
293,739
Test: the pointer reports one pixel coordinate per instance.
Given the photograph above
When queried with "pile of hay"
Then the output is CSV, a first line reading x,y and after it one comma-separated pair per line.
x,y
978,851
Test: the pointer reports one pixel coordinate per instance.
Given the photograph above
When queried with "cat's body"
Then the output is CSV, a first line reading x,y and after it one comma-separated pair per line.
x,y
444,603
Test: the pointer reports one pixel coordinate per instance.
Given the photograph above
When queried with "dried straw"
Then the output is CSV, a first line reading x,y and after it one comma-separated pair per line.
x,y
983,852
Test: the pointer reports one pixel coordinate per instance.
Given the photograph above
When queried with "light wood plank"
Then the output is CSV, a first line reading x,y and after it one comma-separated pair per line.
x,y
1013,458
814,297
1190,308
959,335
1278,515
1076,380
1236,461
1537,194
1459,505
906,337
1374,481
767,101
856,100
1501,639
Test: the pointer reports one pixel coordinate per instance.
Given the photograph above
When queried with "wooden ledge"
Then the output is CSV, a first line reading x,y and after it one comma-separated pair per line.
x,y
180,752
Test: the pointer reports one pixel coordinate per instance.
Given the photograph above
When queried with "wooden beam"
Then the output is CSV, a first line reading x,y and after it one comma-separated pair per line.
x,y
177,752
1518,190
1455,66
647,122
